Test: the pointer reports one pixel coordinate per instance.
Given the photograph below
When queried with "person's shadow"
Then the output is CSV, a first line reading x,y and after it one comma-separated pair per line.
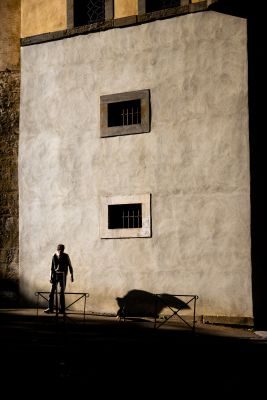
x,y
139,303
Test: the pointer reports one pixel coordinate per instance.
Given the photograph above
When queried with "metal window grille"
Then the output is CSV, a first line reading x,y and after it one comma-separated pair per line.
x,y
87,12
125,216
124,113
95,10
155,5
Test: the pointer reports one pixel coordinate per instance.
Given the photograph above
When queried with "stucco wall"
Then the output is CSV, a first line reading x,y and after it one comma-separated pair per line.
x,y
194,162
41,16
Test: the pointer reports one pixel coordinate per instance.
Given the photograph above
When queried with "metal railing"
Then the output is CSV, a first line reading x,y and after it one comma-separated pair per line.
x,y
45,295
175,310
176,303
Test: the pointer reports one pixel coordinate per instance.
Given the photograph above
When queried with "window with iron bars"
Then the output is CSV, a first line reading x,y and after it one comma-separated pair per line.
x,y
156,5
125,216
87,12
124,113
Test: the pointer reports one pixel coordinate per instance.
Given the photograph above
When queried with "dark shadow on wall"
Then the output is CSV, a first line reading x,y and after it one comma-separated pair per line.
x,y
256,33
139,303
257,125
10,296
237,8
9,293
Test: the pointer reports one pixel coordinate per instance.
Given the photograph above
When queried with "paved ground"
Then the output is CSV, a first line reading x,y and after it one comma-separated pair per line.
x,y
124,359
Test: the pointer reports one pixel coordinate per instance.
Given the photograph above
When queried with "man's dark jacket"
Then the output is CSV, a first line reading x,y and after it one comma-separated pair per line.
x,y
60,263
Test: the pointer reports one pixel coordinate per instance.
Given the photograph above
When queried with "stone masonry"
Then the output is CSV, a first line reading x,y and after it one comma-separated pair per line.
x,y
9,134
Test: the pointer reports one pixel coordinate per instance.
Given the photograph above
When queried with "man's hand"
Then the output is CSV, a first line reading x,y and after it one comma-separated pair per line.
x,y
71,278
51,280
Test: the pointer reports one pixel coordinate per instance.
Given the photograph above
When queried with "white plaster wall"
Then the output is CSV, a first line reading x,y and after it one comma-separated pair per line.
x,y
194,162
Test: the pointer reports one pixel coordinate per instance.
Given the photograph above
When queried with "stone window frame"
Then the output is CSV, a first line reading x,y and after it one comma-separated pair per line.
x,y
143,127
144,232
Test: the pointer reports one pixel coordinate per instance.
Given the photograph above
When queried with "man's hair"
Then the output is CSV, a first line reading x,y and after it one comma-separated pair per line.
x,y
61,246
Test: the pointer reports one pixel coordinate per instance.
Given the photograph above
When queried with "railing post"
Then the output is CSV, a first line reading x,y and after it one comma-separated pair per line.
x,y
37,303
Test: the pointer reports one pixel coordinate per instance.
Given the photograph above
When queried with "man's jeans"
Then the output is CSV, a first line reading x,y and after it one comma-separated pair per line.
x,y
61,280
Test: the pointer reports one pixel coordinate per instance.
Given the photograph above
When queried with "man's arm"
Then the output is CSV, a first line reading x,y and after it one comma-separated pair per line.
x,y
71,270
52,271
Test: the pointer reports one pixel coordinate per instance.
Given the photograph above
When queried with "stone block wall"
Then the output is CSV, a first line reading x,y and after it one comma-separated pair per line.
x,y
9,134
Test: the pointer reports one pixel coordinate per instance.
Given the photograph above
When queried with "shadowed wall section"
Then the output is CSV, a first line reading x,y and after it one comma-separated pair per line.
x,y
9,135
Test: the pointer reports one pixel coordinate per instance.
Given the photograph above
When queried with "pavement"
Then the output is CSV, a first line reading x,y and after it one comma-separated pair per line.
x,y
100,356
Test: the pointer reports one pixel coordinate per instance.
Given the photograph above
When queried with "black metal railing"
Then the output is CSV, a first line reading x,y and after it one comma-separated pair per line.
x,y
81,296
187,299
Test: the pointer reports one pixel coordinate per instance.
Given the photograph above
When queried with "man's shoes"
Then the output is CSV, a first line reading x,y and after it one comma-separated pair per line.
x,y
48,311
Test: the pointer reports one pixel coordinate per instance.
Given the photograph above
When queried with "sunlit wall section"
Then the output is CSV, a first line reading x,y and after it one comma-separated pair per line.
x,y
125,8
42,16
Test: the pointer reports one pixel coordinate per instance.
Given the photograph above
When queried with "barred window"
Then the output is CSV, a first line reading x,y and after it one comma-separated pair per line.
x,y
125,216
125,113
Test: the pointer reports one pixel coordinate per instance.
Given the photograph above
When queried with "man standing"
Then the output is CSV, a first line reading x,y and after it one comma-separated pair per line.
x,y
61,264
